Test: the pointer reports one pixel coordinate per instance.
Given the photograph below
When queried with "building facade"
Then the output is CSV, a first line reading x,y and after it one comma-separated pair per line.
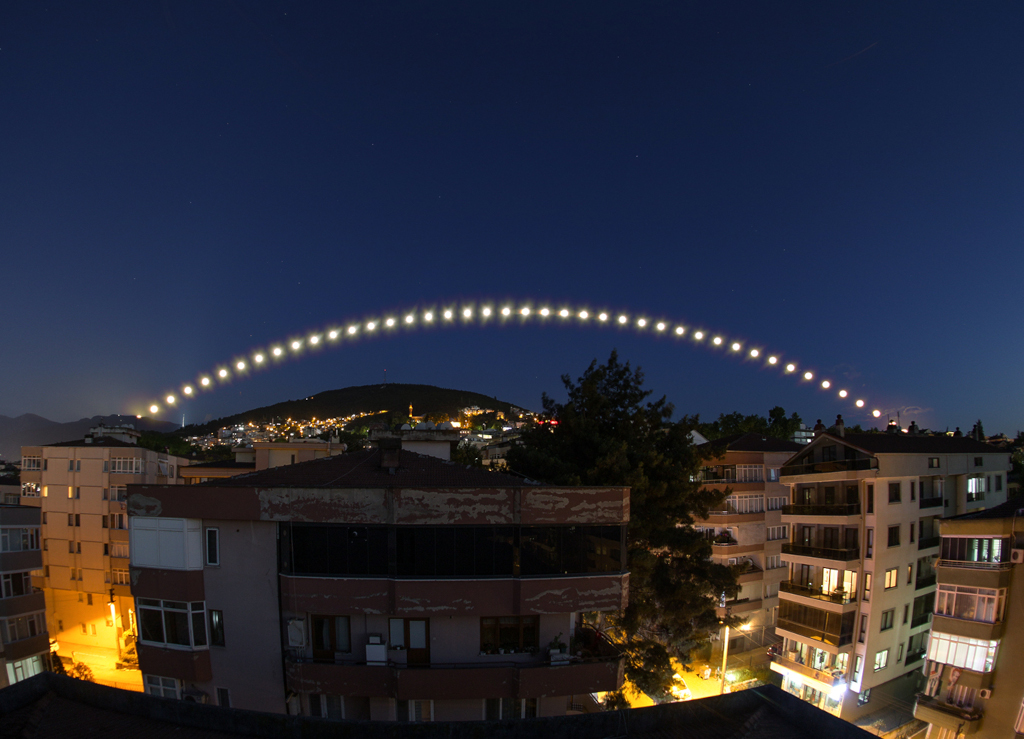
x,y
24,642
862,518
746,530
382,585
79,489
975,684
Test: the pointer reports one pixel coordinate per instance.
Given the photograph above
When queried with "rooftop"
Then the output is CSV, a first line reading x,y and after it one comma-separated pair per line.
x,y
1003,510
223,464
363,470
913,444
97,441
49,705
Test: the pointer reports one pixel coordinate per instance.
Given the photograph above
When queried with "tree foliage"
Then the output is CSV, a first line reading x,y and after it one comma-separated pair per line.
x,y
609,433
776,425
467,454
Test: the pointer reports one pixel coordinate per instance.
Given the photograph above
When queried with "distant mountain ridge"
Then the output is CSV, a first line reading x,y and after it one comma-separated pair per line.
x,y
29,429
393,397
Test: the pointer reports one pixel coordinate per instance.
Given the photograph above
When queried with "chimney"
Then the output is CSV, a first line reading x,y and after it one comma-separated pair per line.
x,y
840,426
819,428
914,430
893,427
390,453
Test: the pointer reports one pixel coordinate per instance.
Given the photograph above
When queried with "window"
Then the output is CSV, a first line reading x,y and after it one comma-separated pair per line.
x,y
118,521
975,488
775,533
910,573
891,577
828,453
999,483
870,495
1019,725
19,539
887,619
499,709
867,586
78,493
119,549
979,461
749,473
911,532
773,474
899,654
119,492
858,665
88,597
509,634
22,627
894,536
166,543
971,604
213,547
15,583
106,494
71,519
396,633
120,577
894,492
745,503
933,463
327,706
126,466
869,543
224,697
773,562
217,628
414,710
906,613
913,496
172,623
864,697
881,660
162,687
981,552
776,503
31,464
863,635
31,489
330,634
960,651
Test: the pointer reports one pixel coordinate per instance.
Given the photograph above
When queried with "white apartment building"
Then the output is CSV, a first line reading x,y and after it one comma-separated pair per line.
x,y
81,488
746,530
862,514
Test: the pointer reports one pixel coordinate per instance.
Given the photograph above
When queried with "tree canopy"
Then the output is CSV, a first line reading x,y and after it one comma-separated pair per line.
x,y
776,425
609,433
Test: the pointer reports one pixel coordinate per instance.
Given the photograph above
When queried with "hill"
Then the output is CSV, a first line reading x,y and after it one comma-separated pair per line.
x,y
29,429
393,397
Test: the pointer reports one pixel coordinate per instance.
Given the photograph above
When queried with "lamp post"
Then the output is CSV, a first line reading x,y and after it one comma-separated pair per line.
x,y
725,659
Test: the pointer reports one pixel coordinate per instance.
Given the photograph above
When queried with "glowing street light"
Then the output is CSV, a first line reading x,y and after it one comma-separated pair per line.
x,y
563,313
843,393
622,319
506,311
410,318
332,335
603,317
660,326
467,313
545,312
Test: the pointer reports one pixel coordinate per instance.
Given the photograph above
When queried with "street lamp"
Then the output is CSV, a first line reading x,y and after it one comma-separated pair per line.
x,y
725,655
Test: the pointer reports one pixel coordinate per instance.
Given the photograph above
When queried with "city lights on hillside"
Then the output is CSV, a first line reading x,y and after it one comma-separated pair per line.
x,y
480,312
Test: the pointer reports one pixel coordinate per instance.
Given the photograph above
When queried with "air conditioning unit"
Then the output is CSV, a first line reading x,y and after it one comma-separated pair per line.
x,y
1017,556
985,693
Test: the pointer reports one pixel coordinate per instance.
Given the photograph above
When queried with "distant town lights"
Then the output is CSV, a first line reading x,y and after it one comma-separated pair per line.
x,y
660,325
352,330
585,315
296,345
448,315
525,311
773,360
699,335
390,322
506,311
467,313
314,339
680,330
410,318
205,381
545,312
602,317
842,393
332,335
486,312
428,316
563,313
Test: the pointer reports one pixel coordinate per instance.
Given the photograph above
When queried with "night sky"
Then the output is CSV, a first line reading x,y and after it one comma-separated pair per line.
x,y
182,183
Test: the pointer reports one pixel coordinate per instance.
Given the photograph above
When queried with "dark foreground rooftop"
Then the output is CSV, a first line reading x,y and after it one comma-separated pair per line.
x,y
49,705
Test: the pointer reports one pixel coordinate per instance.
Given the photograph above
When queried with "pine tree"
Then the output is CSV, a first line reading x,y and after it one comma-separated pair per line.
x,y
609,433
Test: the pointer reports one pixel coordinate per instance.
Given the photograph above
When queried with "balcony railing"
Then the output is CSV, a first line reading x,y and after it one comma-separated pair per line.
x,y
841,597
924,582
914,656
837,465
930,502
821,509
828,677
842,555
928,542
921,618
967,714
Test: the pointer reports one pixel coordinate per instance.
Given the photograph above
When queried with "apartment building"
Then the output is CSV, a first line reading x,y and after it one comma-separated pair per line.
x,y
24,642
975,684
746,530
864,536
79,489
382,584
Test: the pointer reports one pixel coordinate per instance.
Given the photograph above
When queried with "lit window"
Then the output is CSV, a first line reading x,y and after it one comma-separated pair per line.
x,y
881,660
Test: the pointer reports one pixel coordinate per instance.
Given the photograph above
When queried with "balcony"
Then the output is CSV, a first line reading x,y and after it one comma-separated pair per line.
x,y
815,633
839,555
929,542
836,465
919,619
930,502
924,582
915,656
838,597
828,679
947,715
822,509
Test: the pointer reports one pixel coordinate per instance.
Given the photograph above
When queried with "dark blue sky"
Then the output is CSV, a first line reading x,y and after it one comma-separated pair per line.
x,y
181,182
